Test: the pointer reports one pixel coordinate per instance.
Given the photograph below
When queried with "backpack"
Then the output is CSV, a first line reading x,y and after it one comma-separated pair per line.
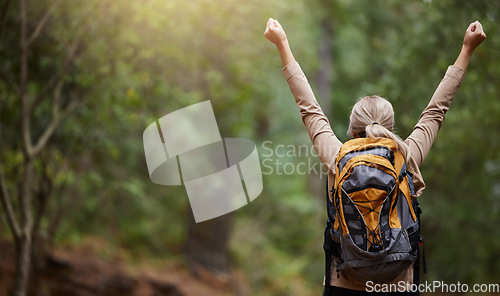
x,y
373,228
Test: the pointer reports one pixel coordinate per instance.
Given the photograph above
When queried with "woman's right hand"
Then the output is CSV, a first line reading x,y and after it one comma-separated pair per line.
x,y
274,32
474,35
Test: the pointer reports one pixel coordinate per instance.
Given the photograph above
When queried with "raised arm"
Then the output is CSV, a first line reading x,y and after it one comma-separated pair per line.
x,y
275,33
474,35
324,140
421,139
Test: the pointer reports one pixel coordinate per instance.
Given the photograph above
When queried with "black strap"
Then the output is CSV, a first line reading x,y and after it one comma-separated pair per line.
x,y
421,241
330,211
327,244
420,250
424,262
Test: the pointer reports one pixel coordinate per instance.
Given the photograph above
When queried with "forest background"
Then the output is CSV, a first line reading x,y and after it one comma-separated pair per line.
x,y
81,80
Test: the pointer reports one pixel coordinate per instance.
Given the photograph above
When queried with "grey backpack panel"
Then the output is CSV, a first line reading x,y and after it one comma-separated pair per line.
x,y
378,267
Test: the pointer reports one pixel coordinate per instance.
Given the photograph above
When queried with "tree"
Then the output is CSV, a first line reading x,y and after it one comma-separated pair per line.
x,y
39,99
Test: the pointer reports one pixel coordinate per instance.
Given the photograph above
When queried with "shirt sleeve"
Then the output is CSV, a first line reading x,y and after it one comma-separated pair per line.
x,y
424,133
324,140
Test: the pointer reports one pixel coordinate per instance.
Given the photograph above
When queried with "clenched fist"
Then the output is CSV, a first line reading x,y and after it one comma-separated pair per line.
x,y
274,32
474,35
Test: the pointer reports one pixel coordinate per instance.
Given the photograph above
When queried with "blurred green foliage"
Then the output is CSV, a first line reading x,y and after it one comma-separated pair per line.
x,y
141,60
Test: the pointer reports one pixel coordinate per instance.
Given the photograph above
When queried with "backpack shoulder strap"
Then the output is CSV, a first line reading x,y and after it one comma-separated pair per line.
x,y
328,243
421,248
405,173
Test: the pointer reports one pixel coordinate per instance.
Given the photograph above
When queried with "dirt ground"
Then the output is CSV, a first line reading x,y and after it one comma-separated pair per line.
x,y
81,271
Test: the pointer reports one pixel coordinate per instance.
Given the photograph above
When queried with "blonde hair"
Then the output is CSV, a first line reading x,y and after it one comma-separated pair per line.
x,y
373,117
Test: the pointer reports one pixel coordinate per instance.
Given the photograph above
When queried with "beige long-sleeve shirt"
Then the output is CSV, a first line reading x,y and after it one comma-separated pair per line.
x,y
327,144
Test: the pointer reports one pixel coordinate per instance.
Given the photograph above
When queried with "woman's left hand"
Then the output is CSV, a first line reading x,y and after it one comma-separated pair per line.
x,y
274,32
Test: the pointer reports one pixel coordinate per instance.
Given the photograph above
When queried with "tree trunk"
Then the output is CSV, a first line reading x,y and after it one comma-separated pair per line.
x,y
207,244
24,227
23,266
24,246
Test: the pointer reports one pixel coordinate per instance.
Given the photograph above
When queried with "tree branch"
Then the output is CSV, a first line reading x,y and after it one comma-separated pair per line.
x,y
54,123
42,23
57,117
44,138
9,210
23,81
72,54
56,78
